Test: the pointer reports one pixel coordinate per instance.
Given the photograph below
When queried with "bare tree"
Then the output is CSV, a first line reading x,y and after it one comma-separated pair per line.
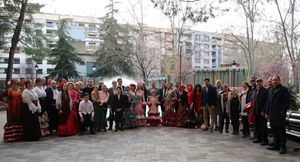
x,y
142,53
288,27
183,14
246,41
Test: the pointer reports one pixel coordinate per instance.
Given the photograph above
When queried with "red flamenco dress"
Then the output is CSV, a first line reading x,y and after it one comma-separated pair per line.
x,y
181,114
198,109
67,126
153,113
13,128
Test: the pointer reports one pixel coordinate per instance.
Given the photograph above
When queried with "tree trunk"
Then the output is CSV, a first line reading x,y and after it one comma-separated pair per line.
x,y
15,40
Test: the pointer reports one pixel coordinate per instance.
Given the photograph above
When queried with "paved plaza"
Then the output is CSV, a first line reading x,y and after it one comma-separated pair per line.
x,y
143,144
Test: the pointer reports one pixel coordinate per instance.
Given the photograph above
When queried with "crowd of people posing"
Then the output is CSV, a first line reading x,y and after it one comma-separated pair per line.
x,y
67,108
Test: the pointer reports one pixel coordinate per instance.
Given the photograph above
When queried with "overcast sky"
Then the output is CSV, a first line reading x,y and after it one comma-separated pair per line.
x,y
153,16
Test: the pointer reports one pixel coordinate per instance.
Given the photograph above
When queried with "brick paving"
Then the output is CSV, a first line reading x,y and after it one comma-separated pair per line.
x,y
157,144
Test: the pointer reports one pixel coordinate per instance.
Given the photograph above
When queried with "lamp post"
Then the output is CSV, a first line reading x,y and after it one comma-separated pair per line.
x,y
234,66
36,67
94,69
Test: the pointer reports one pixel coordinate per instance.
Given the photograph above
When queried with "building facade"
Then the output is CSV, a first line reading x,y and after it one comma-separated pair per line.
x,y
204,50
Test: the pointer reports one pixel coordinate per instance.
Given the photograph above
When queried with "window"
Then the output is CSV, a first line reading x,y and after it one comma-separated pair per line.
x,y
16,71
197,59
91,45
81,24
206,46
49,71
197,46
214,55
50,24
206,54
17,61
206,61
92,27
5,60
73,23
92,35
197,38
49,33
206,38
39,71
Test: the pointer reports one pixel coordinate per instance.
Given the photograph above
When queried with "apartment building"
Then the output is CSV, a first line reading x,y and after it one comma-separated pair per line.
x,y
204,49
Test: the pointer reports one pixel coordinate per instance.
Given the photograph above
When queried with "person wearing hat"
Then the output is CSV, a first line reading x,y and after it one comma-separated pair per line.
x,y
260,124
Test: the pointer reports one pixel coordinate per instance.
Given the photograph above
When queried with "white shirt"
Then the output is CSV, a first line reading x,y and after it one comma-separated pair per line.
x,y
243,103
86,108
27,97
40,91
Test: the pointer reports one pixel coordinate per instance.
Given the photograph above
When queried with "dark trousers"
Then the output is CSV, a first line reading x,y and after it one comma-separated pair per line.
x,y
53,115
246,130
279,135
87,122
111,118
119,120
235,122
162,107
223,116
103,122
261,131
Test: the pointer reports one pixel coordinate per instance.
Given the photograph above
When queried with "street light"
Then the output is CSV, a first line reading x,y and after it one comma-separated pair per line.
x,y
234,65
94,67
36,69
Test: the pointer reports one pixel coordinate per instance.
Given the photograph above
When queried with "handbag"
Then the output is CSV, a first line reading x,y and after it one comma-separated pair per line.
x,y
248,107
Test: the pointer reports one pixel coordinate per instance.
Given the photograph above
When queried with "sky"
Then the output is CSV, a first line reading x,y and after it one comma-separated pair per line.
x,y
153,16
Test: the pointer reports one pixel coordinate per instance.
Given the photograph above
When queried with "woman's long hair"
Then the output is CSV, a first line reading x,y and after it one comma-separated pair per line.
x,y
198,86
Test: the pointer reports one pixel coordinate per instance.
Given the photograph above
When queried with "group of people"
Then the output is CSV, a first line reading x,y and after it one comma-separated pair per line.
x,y
66,108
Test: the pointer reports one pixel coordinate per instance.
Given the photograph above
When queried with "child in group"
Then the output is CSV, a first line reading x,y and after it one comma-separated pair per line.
x,y
86,113
153,114
235,110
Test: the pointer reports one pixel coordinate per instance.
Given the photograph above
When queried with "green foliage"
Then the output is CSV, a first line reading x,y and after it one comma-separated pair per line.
x,y
114,55
64,55
31,38
294,102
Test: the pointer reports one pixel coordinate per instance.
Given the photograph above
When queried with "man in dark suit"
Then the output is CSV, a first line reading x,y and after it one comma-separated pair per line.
x,y
120,84
119,102
276,113
162,95
209,103
260,124
52,106
89,88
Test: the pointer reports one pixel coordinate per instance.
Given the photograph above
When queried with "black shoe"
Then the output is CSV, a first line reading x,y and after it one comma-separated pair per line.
x,y
105,130
116,130
233,133
92,132
227,131
81,133
282,150
98,130
110,129
220,131
122,129
252,138
217,128
256,141
264,144
273,148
